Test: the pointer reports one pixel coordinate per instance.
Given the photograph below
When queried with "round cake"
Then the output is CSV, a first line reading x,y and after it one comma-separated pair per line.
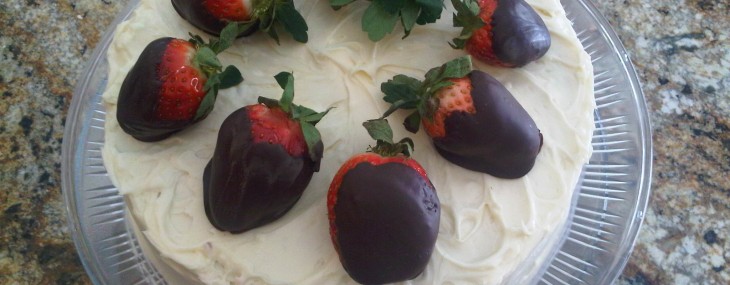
x,y
488,226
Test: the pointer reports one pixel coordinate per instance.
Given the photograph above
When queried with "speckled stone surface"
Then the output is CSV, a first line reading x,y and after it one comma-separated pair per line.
x,y
681,50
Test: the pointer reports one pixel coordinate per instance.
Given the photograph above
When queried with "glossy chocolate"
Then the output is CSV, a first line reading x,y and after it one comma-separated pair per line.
x,y
247,185
519,35
194,12
500,139
139,95
387,220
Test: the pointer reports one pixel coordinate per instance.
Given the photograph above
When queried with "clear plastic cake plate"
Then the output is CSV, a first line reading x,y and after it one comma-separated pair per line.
x,y
592,248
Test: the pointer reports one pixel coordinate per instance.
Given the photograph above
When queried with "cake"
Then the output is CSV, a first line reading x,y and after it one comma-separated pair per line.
x,y
489,227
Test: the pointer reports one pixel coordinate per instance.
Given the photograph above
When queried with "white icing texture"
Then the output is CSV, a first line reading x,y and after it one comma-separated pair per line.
x,y
488,225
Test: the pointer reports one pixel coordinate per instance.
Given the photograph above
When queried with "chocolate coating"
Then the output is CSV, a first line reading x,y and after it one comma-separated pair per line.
x,y
194,12
246,184
139,95
519,35
387,220
500,138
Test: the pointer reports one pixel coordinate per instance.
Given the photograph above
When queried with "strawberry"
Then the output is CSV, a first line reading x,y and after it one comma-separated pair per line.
x,y
172,85
383,211
506,33
456,97
381,16
212,16
264,158
472,119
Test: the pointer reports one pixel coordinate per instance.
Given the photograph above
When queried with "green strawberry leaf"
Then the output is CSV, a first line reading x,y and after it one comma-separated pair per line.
x,y
457,43
227,36
306,117
377,21
395,106
206,105
409,15
196,40
438,78
245,26
413,122
404,92
230,77
264,12
337,4
406,146
300,112
271,31
268,12
405,97
401,88
467,14
206,58
292,21
393,6
305,114
286,81
466,17
428,109
271,103
312,138
379,130
430,11
456,68
431,4
315,117
213,81
381,16
438,85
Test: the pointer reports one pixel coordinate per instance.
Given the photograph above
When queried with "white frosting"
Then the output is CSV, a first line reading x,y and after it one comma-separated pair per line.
x,y
488,225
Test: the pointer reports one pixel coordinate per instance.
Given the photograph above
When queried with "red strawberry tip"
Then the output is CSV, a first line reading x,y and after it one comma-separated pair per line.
x,y
306,117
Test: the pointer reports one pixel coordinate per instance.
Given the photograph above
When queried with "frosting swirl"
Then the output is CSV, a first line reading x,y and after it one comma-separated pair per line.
x,y
488,226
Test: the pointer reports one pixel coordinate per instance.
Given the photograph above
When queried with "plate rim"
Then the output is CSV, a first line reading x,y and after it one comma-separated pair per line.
x,y
645,133
71,144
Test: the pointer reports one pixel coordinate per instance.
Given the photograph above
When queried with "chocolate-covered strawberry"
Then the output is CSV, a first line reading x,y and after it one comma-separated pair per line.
x,y
383,211
381,16
506,33
212,16
264,158
473,120
173,84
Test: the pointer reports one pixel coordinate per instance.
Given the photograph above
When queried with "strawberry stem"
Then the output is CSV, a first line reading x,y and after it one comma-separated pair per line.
x,y
266,13
306,117
381,16
466,17
380,131
206,60
408,93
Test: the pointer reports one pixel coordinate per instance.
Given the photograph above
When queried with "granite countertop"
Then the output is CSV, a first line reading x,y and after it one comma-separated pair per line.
x,y
681,50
